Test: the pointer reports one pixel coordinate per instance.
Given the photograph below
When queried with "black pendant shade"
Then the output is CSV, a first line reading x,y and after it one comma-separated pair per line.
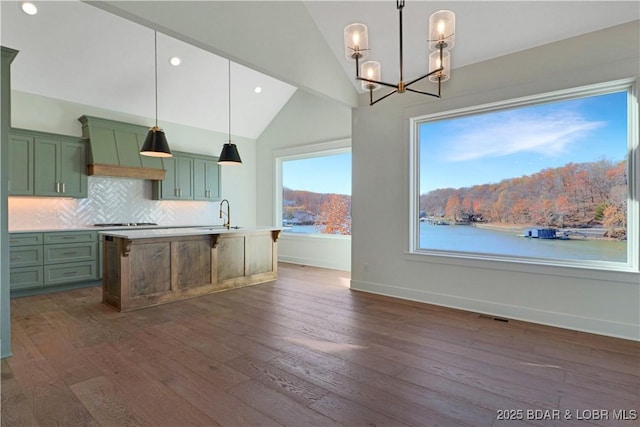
x,y
229,154
155,145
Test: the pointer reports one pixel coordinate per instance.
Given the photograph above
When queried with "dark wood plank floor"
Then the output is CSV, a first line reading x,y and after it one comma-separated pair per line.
x,y
304,351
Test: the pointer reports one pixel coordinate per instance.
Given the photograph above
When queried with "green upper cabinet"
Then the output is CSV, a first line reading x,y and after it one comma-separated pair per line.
x,y
60,164
206,179
189,177
44,164
178,181
21,170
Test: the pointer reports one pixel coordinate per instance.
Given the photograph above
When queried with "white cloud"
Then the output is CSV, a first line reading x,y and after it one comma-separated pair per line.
x,y
511,132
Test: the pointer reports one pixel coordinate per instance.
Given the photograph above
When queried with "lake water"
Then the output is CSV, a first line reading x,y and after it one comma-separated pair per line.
x,y
472,239
496,242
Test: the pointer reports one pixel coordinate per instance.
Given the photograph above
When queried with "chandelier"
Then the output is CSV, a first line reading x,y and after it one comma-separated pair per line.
x,y
441,40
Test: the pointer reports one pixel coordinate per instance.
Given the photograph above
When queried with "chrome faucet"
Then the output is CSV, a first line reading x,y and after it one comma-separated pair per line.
x,y
228,213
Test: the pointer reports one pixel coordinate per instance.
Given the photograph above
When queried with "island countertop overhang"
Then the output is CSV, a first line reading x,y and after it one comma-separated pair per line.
x,y
186,231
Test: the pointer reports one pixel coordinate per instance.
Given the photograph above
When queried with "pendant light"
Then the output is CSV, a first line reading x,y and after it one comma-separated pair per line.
x,y
229,154
156,145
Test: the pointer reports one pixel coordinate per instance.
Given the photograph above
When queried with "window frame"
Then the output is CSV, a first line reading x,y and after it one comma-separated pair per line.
x,y
526,263
297,153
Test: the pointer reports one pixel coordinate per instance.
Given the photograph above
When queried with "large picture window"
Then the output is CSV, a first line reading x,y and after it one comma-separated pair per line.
x,y
316,193
545,179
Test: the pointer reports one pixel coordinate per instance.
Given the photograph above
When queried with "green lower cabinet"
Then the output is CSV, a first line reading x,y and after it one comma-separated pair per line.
x,y
73,252
26,256
60,274
53,259
26,277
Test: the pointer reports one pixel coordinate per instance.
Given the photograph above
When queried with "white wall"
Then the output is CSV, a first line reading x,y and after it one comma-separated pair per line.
x,y
305,120
601,302
238,182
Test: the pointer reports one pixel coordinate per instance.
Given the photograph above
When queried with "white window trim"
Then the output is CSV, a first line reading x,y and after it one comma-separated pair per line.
x,y
527,264
303,152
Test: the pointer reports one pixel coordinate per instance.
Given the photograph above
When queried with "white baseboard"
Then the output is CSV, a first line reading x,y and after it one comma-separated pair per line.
x,y
561,320
315,262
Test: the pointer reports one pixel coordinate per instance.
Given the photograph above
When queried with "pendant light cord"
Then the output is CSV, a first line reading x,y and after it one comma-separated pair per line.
x,y
229,101
155,64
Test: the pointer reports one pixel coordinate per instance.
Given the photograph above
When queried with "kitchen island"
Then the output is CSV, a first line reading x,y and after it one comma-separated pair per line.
x,y
142,268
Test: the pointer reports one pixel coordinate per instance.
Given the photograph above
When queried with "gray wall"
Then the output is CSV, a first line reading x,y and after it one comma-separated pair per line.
x,y
306,119
588,300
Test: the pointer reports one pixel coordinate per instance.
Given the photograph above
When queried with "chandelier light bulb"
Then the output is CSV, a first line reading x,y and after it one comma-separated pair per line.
x,y
356,41
371,71
441,27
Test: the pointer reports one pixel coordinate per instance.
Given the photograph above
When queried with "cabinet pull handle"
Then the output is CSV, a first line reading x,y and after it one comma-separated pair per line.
x,y
70,253
70,273
175,192
64,188
57,187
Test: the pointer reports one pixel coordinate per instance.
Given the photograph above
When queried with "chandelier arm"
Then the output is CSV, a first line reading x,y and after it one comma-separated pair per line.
x,y
425,93
378,82
424,77
381,98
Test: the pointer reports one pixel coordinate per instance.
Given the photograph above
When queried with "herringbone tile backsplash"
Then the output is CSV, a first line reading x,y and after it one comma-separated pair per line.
x,y
111,200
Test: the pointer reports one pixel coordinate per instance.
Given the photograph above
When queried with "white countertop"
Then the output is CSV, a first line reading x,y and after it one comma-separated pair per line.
x,y
176,232
95,228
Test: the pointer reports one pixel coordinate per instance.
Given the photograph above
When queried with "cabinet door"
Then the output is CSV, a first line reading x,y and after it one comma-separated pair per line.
x,y
213,179
47,167
200,180
73,177
20,165
167,188
185,178
26,277
206,180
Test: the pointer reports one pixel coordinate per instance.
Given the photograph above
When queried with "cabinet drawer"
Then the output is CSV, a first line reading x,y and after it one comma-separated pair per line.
x,y
67,273
25,256
25,277
25,239
66,253
70,237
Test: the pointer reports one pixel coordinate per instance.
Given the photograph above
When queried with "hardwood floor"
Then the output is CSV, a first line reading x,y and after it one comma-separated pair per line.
x,y
304,351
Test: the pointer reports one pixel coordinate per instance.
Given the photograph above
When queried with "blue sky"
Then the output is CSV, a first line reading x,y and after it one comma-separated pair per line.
x,y
487,148
326,174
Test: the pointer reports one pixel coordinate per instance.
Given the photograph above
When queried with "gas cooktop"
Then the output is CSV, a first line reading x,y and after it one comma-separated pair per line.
x,y
125,224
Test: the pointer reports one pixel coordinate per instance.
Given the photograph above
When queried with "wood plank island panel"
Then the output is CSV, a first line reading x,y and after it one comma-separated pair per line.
x,y
143,268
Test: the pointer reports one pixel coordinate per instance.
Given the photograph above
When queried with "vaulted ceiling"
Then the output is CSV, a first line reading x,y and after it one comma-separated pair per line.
x,y
102,53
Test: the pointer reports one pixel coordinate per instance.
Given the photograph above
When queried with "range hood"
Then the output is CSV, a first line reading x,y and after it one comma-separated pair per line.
x,y
114,150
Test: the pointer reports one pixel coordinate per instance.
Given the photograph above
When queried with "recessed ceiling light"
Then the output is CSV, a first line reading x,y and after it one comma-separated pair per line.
x,y
29,8
175,61
257,89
